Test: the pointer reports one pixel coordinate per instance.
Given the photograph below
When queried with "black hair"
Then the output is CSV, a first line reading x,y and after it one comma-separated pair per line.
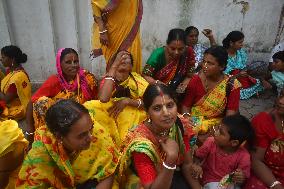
x,y
240,128
154,90
176,34
15,53
220,53
189,29
279,55
67,51
61,116
233,36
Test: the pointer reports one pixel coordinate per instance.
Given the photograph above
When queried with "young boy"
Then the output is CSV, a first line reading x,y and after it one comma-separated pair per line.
x,y
278,70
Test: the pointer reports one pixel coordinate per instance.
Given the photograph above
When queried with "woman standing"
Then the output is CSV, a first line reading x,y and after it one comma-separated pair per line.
x,y
156,152
237,65
15,86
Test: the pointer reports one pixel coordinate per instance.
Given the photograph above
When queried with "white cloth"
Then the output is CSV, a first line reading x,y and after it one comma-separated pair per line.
x,y
215,185
277,48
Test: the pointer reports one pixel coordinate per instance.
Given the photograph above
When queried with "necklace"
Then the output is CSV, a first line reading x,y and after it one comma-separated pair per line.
x,y
206,82
160,134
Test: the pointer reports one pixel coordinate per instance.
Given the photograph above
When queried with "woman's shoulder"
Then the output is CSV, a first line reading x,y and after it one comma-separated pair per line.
x,y
262,122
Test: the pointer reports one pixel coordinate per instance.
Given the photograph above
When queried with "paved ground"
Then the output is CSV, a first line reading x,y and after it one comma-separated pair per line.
x,y
254,105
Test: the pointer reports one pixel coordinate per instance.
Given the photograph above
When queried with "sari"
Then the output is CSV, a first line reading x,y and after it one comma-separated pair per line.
x,y
278,80
16,109
210,109
123,20
141,139
172,73
269,138
12,140
47,164
250,85
81,89
129,116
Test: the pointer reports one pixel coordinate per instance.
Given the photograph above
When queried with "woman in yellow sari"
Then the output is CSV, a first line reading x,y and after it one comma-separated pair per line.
x,y
211,94
116,28
12,146
70,82
120,106
72,151
15,86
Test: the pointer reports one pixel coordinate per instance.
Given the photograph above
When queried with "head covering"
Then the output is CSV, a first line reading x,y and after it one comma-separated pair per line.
x,y
74,85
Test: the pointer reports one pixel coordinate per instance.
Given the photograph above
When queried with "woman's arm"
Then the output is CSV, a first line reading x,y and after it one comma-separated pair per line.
x,y
149,79
261,170
188,172
106,183
30,128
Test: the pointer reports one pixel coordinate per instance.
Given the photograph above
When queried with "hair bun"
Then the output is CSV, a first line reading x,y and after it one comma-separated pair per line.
x,y
24,58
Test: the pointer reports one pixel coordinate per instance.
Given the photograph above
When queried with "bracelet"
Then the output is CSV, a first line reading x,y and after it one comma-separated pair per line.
x,y
186,113
169,167
157,81
104,31
29,134
275,183
110,78
139,103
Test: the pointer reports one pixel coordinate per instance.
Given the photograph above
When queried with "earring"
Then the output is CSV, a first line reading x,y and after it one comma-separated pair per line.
x,y
149,120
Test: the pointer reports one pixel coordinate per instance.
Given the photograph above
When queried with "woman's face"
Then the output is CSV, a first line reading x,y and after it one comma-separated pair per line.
x,y
280,103
124,68
192,38
6,61
80,135
70,66
163,112
237,45
210,66
175,49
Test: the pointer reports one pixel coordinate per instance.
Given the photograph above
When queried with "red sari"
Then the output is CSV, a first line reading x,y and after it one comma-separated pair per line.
x,y
269,138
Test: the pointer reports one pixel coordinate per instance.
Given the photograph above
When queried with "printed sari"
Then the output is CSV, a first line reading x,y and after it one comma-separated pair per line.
x,y
129,116
141,139
16,109
172,73
123,20
12,140
210,109
47,164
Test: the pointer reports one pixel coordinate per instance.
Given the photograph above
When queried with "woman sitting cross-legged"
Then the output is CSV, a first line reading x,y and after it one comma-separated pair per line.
x,y
156,153
71,151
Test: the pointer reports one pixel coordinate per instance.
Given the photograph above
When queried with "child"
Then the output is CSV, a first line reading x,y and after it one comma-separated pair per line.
x,y
225,161
278,70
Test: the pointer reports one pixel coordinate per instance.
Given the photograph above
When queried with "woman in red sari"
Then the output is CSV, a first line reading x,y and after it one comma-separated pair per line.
x,y
268,159
172,64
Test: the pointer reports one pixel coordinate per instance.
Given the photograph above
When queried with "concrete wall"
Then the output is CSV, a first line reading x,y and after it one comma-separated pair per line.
x,y
40,27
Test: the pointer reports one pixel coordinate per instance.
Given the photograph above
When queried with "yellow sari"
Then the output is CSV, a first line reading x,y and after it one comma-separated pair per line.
x,y
123,23
17,108
210,109
130,116
12,140
48,166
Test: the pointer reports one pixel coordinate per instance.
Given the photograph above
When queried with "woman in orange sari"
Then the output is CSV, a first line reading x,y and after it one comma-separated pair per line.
x,y
116,28
211,94
70,82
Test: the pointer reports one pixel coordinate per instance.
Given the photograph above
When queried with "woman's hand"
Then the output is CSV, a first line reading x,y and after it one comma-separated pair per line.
x,y
117,107
208,33
239,177
104,39
197,171
182,86
171,148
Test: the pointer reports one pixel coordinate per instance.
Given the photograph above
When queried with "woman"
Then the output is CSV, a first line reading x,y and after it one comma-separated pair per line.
x,y
15,86
156,152
211,94
191,34
70,82
116,28
173,64
237,65
120,106
73,151
12,146
267,160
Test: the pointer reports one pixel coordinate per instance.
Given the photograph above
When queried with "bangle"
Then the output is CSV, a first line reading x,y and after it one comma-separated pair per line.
x,y
110,78
101,32
139,103
169,167
157,81
275,183
186,113
29,134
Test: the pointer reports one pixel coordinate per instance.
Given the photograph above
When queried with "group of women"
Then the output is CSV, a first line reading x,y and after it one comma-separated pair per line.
x,y
131,130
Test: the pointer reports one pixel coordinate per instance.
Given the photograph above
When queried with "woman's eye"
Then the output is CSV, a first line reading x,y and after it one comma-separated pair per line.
x,y
170,105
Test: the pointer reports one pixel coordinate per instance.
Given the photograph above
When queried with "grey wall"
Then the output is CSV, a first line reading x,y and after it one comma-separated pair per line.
x,y
40,27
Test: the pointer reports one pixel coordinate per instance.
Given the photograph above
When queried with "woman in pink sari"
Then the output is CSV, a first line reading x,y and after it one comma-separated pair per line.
x,y
172,64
